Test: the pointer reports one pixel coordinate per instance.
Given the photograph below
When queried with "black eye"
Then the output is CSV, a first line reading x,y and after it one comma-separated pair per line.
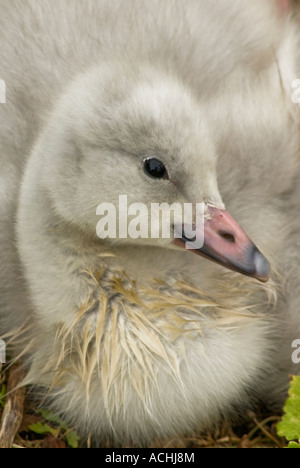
x,y
155,169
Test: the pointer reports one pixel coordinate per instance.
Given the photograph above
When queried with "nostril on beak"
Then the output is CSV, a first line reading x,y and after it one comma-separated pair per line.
x,y
227,236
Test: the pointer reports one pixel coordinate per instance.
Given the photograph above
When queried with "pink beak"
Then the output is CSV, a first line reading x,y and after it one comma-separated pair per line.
x,y
227,244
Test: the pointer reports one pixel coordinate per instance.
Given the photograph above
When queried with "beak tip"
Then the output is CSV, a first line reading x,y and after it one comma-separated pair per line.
x,y
262,267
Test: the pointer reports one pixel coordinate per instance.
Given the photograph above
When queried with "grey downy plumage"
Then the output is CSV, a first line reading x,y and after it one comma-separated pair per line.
x,y
139,339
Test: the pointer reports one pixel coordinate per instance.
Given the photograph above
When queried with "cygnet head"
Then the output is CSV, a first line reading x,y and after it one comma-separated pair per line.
x,y
141,134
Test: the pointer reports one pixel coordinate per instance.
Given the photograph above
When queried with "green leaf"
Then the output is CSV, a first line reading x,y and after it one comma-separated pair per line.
x,y
289,427
51,417
72,439
41,428
2,396
293,445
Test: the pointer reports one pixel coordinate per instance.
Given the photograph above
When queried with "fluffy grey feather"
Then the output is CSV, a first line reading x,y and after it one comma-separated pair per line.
x,y
94,87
